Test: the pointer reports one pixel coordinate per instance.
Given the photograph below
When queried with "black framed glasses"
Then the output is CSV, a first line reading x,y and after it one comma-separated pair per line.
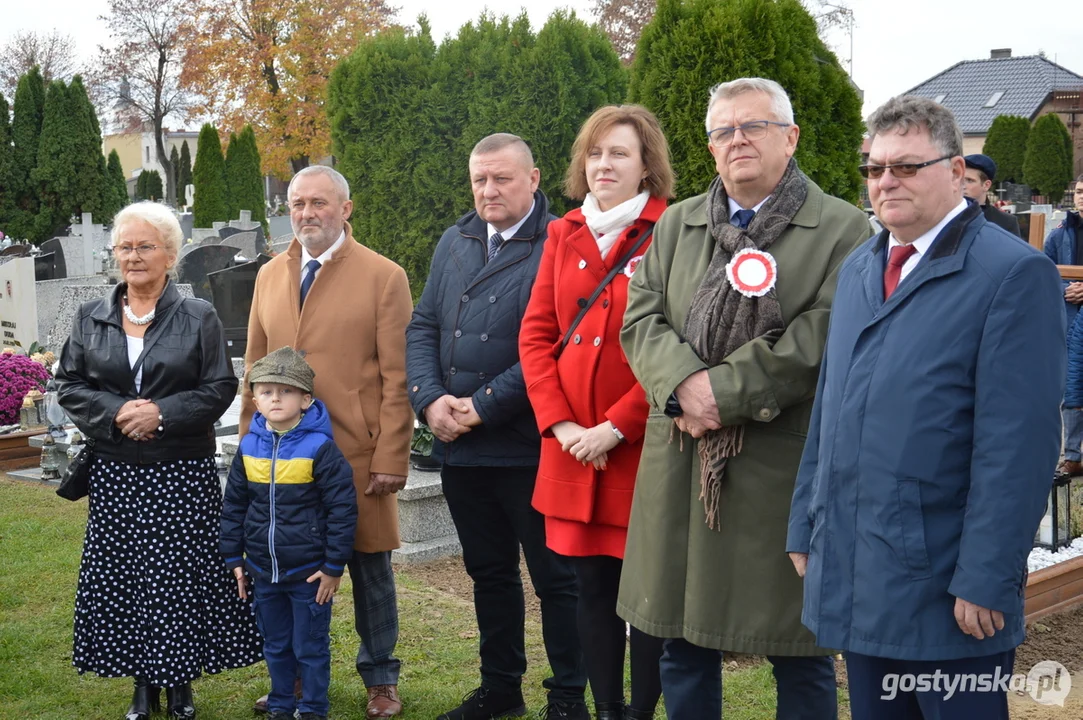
x,y
899,170
753,130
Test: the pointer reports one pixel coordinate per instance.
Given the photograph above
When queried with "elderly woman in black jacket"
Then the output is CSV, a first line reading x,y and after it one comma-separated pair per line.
x,y
145,375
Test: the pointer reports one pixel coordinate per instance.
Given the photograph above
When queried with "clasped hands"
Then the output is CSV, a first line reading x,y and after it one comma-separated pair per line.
x,y
587,445
138,419
449,417
1074,293
698,406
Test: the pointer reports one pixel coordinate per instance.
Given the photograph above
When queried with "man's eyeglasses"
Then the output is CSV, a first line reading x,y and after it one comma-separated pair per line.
x,y
123,251
899,170
754,130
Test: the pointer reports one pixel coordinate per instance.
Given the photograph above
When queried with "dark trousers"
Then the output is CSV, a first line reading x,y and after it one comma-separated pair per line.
x,y
375,617
692,684
493,517
882,689
603,637
296,643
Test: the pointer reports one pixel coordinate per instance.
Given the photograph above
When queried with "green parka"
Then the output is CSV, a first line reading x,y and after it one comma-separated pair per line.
x,y
733,589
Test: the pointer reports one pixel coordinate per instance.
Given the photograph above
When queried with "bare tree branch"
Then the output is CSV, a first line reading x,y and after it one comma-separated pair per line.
x,y
53,53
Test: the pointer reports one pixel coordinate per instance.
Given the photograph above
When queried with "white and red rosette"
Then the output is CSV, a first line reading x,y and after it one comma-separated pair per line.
x,y
752,272
630,267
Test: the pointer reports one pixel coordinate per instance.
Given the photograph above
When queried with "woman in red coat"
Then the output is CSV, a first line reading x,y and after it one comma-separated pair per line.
x,y
591,411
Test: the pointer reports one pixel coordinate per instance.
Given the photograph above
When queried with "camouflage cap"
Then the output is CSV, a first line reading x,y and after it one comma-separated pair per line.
x,y
284,366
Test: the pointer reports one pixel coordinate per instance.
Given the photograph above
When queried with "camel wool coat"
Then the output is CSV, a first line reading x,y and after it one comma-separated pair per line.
x,y
352,331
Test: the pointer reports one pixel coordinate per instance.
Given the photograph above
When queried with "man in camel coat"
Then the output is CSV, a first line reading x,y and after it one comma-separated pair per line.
x,y
345,308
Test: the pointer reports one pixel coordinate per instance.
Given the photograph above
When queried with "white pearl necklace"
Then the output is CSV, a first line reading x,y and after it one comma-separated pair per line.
x,y
135,319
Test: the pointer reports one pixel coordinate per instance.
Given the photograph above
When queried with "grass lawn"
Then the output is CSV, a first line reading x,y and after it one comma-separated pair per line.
x,y
40,544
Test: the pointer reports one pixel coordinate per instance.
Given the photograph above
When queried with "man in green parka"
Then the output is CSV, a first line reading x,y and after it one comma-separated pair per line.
x,y
725,327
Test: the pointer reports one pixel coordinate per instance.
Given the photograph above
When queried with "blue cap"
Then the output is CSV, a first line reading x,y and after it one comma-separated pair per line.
x,y
983,163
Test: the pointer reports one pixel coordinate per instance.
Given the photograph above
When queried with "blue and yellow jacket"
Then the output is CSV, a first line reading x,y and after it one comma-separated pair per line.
x,y
290,507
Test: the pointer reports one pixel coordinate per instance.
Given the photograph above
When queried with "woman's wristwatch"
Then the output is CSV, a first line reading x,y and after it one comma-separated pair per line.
x,y
618,433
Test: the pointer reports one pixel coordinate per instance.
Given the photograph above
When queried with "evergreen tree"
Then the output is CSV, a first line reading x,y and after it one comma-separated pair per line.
x,y
89,185
174,163
185,174
406,114
55,174
209,178
691,45
244,178
153,189
28,108
141,186
233,152
1047,166
1006,144
7,169
117,183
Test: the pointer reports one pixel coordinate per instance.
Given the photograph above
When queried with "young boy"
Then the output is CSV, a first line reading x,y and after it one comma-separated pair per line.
x,y
288,516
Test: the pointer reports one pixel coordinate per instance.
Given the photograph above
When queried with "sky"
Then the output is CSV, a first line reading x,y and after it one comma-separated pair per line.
x,y
895,45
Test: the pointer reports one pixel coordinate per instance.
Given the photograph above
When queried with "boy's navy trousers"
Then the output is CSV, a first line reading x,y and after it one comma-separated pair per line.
x,y
296,643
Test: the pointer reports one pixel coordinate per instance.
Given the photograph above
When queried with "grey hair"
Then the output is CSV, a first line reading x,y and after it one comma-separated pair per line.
x,y
909,112
498,141
781,107
337,179
158,216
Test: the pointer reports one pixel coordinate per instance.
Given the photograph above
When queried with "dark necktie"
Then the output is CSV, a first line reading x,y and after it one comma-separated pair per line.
x,y
899,255
495,243
742,218
306,284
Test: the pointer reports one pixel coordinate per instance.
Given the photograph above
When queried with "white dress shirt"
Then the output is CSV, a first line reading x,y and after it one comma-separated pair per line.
x,y
510,232
324,256
923,243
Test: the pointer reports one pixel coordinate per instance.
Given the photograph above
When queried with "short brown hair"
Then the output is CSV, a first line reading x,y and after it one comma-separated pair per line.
x,y
655,151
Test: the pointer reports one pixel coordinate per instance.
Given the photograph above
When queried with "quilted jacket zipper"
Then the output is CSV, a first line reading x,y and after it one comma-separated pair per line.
x,y
275,439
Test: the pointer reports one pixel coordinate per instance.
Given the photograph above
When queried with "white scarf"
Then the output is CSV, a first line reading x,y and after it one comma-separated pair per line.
x,y
607,225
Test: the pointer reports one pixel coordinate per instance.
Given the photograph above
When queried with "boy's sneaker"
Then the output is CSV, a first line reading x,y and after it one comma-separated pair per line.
x,y
486,704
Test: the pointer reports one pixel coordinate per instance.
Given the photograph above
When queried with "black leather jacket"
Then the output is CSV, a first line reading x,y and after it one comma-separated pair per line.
x,y
185,371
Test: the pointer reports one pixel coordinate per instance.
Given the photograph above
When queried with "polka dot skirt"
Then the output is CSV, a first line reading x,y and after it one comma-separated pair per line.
x,y
155,599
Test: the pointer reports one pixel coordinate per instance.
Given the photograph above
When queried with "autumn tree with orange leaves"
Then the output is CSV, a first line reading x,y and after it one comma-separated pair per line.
x,y
267,63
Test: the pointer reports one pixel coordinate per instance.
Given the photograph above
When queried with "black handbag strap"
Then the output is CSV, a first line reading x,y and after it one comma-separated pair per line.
x,y
618,267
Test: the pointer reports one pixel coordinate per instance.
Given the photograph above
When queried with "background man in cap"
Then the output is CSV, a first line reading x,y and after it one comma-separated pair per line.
x,y
980,171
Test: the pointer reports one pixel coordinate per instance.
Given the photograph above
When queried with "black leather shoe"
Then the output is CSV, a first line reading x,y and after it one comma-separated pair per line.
x,y
486,704
146,699
179,703
609,711
558,710
633,714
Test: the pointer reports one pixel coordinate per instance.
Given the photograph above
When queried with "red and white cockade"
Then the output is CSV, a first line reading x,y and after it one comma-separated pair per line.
x,y
752,272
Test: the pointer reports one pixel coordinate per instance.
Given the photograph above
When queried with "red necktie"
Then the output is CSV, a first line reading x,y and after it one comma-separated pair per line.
x,y
899,255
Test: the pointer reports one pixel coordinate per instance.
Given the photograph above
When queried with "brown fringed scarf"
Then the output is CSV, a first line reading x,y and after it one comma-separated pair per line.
x,y
721,319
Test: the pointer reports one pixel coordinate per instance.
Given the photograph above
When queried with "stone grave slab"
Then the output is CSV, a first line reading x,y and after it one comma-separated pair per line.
x,y
246,241
18,304
72,297
201,234
228,231
231,291
194,267
280,225
45,266
49,293
53,245
15,251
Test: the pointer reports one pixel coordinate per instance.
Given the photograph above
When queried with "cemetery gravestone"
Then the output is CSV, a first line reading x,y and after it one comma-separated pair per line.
x,y
232,291
57,248
45,267
18,304
15,251
49,294
196,265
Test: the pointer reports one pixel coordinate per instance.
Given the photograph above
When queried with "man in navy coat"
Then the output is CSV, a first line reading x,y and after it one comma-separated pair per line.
x,y
933,439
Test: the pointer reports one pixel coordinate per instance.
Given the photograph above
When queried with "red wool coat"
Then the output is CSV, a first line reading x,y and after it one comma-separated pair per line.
x,y
586,509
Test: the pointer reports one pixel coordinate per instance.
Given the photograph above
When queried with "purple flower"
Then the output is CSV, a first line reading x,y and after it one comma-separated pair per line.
x,y
18,376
